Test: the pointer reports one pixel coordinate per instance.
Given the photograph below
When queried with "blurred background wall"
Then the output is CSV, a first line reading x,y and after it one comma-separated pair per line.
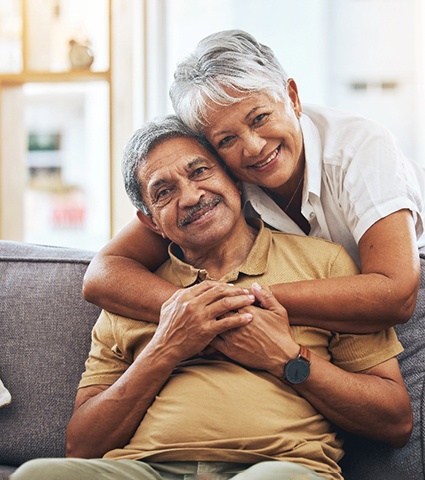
x,y
77,77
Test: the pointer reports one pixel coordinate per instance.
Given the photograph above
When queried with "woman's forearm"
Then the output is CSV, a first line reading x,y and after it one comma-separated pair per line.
x,y
383,295
120,279
356,304
123,286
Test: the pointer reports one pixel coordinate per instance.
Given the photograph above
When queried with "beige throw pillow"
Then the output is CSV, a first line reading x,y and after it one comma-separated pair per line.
x,y
5,397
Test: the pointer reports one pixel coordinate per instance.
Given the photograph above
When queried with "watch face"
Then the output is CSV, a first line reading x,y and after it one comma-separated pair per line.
x,y
297,370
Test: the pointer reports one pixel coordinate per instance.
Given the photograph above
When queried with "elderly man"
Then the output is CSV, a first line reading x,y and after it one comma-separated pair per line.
x,y
223,387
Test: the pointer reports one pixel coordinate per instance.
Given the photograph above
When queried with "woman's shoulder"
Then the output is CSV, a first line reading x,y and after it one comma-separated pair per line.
x,y
339,129
325,116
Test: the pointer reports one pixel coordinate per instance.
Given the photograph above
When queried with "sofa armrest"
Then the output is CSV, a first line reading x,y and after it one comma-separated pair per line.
x,y
45,327
367,460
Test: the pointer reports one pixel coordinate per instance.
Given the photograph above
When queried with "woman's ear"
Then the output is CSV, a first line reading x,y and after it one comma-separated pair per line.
x,y
292,89
149,222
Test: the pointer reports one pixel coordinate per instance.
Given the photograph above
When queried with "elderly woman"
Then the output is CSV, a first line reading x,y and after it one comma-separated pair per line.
x,y
306,170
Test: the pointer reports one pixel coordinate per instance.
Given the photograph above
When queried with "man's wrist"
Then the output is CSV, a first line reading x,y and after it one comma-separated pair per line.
x,y
297,369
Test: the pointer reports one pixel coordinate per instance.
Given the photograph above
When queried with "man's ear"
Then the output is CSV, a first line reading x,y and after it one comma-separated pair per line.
x,y
149,222
239,186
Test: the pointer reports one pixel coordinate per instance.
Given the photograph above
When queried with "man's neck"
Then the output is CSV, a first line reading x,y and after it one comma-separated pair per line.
x,y
219,260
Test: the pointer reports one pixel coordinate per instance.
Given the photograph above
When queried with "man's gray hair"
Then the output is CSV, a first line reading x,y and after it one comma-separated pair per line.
x,y
139,146
223,68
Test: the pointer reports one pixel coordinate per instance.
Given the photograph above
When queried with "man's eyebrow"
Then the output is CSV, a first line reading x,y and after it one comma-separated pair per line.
x,y
158,183
190,166
195,162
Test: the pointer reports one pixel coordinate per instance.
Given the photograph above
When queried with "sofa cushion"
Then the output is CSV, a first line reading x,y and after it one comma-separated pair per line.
x,y
45,327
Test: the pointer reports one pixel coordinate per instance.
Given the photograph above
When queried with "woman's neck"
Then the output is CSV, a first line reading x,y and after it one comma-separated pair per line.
x,y
289,196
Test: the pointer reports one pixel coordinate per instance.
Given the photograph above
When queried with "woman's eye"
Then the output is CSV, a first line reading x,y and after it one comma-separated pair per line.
x,y
224,142
259,118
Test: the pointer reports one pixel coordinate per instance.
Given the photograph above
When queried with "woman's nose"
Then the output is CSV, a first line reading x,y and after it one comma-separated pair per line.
x,y
253,144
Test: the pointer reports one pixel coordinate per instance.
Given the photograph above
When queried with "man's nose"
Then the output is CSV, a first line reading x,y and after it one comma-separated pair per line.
x,y
253,144
190,194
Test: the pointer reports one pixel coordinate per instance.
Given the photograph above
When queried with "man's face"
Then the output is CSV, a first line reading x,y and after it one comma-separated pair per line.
x,y
192,199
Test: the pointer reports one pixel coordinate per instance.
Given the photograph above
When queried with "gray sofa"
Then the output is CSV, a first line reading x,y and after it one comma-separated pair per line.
x,y
45,329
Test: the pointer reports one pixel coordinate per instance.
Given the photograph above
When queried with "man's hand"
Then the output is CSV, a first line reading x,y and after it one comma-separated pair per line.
x,y
266,342
189,319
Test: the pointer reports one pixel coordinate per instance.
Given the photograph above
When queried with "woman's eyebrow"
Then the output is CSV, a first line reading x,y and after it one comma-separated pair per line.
x,y
253,110
247,116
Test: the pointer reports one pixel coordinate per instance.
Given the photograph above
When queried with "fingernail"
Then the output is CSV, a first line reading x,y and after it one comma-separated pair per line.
x,y
251,297
256,285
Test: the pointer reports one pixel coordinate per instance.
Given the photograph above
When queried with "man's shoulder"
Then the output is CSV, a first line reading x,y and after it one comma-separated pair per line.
x,y
313,253
116,325
304,242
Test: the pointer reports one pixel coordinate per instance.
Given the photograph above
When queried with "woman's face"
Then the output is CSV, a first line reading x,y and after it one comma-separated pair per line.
x,y
259,139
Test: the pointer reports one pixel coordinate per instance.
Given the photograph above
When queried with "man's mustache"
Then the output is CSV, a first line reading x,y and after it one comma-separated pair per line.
x,y
190,215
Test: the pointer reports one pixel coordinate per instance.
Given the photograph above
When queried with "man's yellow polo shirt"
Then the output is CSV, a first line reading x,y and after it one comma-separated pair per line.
x,y
215,410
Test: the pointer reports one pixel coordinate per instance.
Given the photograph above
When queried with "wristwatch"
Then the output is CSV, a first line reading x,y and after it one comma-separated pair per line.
x,y
297,370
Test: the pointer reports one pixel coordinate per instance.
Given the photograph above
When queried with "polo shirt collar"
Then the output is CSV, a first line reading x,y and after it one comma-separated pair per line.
x,y
255,263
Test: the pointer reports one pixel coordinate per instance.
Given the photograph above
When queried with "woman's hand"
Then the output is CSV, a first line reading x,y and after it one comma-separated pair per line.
x,y
266,342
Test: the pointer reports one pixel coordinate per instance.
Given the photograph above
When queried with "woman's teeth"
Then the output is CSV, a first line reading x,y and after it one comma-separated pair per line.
x,y
272,157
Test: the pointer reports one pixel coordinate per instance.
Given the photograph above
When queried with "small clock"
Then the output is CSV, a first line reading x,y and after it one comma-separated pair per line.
x,y
80,55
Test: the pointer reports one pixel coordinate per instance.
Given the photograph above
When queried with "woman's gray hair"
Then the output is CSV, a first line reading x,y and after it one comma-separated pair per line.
x,y
223,67
139,146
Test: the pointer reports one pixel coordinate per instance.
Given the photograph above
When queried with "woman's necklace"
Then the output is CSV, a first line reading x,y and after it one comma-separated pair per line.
x,y
296,216
293,195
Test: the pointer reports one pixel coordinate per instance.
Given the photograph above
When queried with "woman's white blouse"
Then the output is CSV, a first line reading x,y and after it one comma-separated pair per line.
x,y
355,175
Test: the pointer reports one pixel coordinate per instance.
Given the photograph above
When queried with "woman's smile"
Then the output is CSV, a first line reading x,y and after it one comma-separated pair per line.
x,y
268,162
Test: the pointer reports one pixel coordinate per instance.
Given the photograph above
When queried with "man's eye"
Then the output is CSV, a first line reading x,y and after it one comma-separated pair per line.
x,y
199,171
162,194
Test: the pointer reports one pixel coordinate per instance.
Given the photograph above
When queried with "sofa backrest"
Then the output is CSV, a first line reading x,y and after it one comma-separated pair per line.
x,y
45,327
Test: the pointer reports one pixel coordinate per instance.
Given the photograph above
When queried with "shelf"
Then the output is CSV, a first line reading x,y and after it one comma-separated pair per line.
x,y
51,77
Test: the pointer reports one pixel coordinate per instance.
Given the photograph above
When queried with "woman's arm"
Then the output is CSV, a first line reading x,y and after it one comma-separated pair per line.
x,y
373,403
119,277
383,295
